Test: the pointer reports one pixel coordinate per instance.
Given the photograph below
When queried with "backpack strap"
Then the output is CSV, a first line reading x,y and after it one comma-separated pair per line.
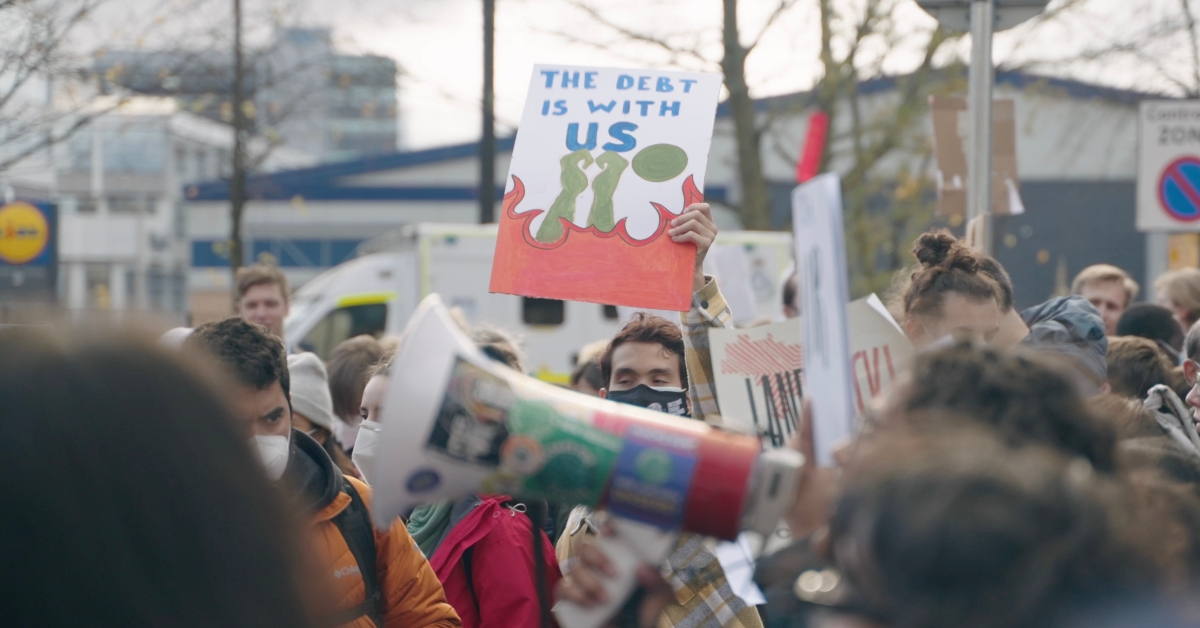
x,y
354,522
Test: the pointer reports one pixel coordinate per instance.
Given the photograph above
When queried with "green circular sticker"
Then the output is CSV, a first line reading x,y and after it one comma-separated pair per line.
x,y
660,162
653,466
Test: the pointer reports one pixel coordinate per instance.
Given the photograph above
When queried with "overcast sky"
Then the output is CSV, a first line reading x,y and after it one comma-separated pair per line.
x,y
439,44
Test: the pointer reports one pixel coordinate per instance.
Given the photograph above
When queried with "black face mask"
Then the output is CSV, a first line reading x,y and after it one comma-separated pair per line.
x,y
668,400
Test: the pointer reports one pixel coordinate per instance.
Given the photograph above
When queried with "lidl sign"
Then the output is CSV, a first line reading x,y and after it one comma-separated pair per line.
x,y
25,236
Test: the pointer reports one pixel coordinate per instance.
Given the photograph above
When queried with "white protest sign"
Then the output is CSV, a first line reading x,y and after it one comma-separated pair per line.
x,y
759,371
604,159
821,264
879,351
1168,183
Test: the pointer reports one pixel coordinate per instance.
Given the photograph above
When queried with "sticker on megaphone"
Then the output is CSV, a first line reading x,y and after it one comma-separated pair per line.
x,y
455,423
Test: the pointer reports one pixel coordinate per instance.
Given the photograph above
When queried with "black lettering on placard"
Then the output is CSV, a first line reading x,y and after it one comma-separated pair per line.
x,y
1168,135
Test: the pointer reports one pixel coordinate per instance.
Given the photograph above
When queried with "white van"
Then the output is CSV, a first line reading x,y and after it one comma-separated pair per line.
x,y
376,292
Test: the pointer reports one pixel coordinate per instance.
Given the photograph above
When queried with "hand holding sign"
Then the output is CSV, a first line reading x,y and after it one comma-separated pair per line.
x,y
696,225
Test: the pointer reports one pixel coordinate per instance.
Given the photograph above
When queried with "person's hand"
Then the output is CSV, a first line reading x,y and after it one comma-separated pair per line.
x,y
695,225
584,586
817,489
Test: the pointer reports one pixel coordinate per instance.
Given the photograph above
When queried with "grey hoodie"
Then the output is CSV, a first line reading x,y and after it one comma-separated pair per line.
x,y
1072,327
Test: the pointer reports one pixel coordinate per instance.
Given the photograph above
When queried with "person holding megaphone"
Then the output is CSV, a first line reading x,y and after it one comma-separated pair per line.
x,y
652,364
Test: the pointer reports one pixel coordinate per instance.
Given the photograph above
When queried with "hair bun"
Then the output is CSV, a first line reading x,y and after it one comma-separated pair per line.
x,y
932,248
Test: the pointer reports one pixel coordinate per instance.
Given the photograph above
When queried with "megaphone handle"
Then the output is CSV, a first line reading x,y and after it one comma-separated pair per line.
x,y
632,544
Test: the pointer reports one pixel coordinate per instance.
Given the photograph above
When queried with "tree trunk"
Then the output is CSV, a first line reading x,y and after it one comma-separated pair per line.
x,y
756,202
237,182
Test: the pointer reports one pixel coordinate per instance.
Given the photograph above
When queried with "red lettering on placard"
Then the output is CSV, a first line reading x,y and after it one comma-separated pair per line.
x,y
871,373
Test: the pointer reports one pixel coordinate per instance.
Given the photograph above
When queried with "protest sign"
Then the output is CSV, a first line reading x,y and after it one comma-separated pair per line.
x,y
821,272
879,350
760,371
604,159
759,379
455,423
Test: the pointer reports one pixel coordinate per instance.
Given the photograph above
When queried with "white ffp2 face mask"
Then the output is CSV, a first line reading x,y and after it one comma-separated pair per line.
x,y
273,453
364,448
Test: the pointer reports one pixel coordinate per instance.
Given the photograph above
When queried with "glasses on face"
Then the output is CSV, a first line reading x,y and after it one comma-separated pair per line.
x,y
1191,372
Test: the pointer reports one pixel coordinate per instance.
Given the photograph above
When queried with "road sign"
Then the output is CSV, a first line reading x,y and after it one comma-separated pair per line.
x,y
956,14
1168,189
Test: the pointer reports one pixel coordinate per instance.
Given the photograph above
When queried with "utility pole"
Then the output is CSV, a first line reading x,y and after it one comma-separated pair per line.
x,y
237,181
487,143
979,109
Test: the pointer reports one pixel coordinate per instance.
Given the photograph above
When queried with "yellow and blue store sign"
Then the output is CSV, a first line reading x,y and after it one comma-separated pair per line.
x,y
27,234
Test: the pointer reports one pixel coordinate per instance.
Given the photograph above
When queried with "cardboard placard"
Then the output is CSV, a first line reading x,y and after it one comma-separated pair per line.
x,y
950,146
604,159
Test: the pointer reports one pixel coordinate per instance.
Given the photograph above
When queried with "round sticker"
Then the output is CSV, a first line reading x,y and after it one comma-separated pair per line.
x,y
24,233
423,480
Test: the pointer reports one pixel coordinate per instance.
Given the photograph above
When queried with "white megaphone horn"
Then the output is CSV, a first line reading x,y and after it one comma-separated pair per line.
x,y
454,423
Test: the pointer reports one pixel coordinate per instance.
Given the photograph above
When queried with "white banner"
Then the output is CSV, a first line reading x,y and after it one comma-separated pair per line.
x,y
821,261
760,371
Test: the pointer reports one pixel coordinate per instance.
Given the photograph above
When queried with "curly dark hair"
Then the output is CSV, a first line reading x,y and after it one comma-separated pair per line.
x,y
952,532
649,329
1026,397
254,355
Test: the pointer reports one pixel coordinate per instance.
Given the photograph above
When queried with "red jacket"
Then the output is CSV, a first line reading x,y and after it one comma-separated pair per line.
x,y
502,567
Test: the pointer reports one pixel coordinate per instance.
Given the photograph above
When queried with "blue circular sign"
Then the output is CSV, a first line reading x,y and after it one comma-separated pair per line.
x,y
1179,189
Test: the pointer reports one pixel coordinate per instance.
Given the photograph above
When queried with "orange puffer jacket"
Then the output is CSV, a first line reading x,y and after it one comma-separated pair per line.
x,y
412,597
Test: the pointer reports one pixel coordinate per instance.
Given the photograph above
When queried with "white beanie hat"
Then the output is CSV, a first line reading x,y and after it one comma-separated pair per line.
x,y
310,389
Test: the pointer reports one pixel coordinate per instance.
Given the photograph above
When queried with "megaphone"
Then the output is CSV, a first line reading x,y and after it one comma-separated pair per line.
x,y
455,423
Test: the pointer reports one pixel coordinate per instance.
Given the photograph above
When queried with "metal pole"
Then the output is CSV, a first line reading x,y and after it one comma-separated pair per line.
x,y
487,144
979,108
237,180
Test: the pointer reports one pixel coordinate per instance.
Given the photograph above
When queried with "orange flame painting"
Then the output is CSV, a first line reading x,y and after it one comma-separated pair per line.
x,y
586,264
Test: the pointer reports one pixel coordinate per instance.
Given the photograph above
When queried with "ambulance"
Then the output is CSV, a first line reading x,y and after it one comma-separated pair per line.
x,y
377,291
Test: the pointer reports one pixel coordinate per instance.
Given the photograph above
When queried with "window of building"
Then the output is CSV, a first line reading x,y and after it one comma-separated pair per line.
x,y
610,312
542,311
124,204
344,323
132,149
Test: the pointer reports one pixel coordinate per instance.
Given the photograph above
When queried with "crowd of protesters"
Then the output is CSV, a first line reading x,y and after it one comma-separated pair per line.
x,y
1036,467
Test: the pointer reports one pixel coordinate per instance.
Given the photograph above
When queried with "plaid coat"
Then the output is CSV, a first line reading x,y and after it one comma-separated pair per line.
x,y
703,598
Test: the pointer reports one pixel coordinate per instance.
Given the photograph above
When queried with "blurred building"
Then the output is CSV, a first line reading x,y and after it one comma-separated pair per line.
x,y
306,94
117,183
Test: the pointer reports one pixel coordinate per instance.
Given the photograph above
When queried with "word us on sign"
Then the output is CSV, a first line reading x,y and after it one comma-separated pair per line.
x,y
604,159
